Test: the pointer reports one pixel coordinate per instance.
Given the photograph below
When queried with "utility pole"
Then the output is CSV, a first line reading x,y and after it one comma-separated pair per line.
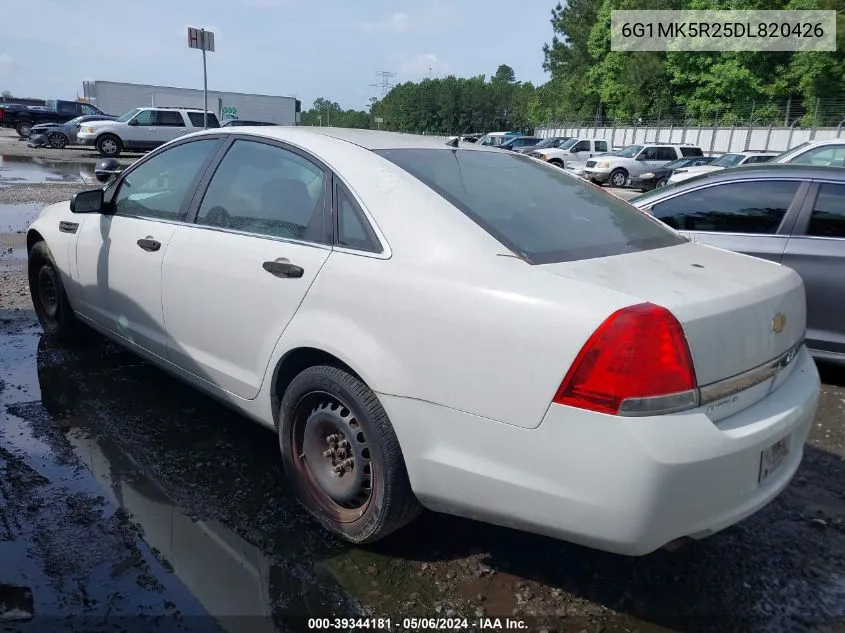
x,y
385,84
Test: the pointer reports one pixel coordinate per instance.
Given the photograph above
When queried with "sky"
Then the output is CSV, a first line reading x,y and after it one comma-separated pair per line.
x,y
300,48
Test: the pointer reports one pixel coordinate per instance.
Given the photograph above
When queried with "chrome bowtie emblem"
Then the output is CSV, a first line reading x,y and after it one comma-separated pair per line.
x,y
778,323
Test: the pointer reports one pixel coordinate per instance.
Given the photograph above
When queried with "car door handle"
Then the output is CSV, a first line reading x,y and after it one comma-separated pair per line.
x,y
283,269
149,245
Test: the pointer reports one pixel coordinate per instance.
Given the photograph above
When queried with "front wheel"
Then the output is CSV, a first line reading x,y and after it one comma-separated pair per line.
x,y
661,183
342,457
618,177
48,295
58,141
109,146
556,162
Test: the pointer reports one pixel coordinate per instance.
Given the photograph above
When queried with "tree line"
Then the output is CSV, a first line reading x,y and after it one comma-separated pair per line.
x,y
590,82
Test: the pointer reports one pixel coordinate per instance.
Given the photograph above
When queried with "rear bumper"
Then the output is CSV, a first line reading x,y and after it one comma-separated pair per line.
x,y
624,485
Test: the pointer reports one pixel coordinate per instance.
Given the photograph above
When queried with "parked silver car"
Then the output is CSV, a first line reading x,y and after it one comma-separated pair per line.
x,y
60,135
790,214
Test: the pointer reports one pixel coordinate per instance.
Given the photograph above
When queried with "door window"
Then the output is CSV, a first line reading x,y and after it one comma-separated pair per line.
x,y
582,146
145,117
833,155
828,217
169,118
601,146
740,207
665,153
353,230
86,109
260,188
158,188
197,119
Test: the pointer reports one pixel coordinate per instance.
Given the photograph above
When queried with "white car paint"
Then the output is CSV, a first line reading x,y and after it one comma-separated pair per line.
x,y
572,151
465,345
748,158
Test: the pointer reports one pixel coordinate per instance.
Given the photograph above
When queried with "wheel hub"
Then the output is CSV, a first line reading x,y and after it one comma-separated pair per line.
x,y
336,455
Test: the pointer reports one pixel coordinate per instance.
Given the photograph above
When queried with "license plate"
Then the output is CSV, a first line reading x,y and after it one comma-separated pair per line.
x,y
773,456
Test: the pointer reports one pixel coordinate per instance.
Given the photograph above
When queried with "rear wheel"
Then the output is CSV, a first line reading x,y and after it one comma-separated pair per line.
x,y
342,456
109,146
23,129
58,141
48,295
618,178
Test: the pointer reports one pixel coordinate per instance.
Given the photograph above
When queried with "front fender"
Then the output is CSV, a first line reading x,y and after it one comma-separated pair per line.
x,y
62,243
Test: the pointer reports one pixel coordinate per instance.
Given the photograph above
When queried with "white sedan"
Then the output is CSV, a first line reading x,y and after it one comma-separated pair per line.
x,y
462,329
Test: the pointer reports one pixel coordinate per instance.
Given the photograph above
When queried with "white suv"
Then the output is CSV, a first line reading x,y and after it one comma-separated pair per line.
x,y
635,160
143,129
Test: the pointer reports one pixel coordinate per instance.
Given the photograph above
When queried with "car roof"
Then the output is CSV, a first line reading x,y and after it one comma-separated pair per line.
x,y
368,139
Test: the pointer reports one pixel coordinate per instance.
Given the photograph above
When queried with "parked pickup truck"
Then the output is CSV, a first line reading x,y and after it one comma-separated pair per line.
x,y
574,150
22,118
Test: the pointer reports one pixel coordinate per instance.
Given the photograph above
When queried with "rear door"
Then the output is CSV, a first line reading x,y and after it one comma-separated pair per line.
x,y
234,278
816,251
750,217
170,125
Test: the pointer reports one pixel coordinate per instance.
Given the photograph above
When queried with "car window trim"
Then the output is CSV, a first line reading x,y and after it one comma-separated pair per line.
x,y
789,218
802,223
338,184
114,188
211,170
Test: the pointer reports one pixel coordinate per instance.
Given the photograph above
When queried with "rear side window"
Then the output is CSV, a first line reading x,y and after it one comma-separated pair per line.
x,y
601,146
197,119
169,118
536,210
828,218
353,230
665,153
691,151
737,207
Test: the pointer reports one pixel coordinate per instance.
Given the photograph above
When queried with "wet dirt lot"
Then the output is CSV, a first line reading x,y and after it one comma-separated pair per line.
x,y
127,498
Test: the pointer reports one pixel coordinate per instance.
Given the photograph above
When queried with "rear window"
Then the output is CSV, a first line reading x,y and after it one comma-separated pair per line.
x,y
536,210
197,119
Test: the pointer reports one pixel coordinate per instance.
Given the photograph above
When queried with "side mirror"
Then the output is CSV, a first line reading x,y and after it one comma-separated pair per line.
x,y
107,169
90,201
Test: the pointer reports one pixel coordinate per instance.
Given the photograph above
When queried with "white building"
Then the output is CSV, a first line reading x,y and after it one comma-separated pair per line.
x,y
116,98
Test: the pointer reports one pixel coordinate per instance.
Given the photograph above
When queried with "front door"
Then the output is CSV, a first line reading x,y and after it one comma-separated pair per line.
x,y
234,279
119,254
816,251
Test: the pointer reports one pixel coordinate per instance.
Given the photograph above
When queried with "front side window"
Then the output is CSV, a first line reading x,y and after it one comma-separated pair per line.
x,y
263,189
828,217
536,210
145,117
158,187
583,146
737,207
86,109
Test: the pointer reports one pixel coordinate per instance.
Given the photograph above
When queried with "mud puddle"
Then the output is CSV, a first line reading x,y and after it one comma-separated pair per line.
x,y
16,218
215,527
35,170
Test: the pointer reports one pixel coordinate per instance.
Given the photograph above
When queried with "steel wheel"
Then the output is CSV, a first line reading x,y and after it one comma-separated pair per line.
x,y
332,455
48,293
660,183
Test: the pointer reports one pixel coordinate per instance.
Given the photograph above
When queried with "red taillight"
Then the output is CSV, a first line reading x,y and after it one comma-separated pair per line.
x,y
638,353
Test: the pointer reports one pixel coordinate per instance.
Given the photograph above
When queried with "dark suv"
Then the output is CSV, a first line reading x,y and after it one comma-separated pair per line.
x,y
22,118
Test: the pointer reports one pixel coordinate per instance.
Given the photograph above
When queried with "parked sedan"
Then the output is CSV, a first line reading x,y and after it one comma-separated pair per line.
x,y
457,328
790,214
659,176
60,135
734,159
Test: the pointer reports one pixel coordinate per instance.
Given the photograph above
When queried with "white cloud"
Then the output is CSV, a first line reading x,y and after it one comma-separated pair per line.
x,y
414,67
396,23
5,63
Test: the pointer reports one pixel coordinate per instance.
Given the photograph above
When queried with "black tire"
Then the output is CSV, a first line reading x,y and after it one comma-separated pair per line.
x,y
556,162
618,178
324,403
48,295
24,128
661,183
109,145
58,140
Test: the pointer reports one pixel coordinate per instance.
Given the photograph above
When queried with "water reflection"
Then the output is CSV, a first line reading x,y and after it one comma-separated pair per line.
x,y
35,169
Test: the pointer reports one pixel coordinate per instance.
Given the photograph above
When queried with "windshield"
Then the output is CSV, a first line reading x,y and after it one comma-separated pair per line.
x,y
127,116
75,121
546,142
728,160
537,211
568,144
630,151
789,151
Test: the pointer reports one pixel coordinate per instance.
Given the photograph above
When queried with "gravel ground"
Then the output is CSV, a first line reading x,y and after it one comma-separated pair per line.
x,y
132,476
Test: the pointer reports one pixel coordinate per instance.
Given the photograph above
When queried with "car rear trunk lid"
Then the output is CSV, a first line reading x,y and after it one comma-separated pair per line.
x,y
738,312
